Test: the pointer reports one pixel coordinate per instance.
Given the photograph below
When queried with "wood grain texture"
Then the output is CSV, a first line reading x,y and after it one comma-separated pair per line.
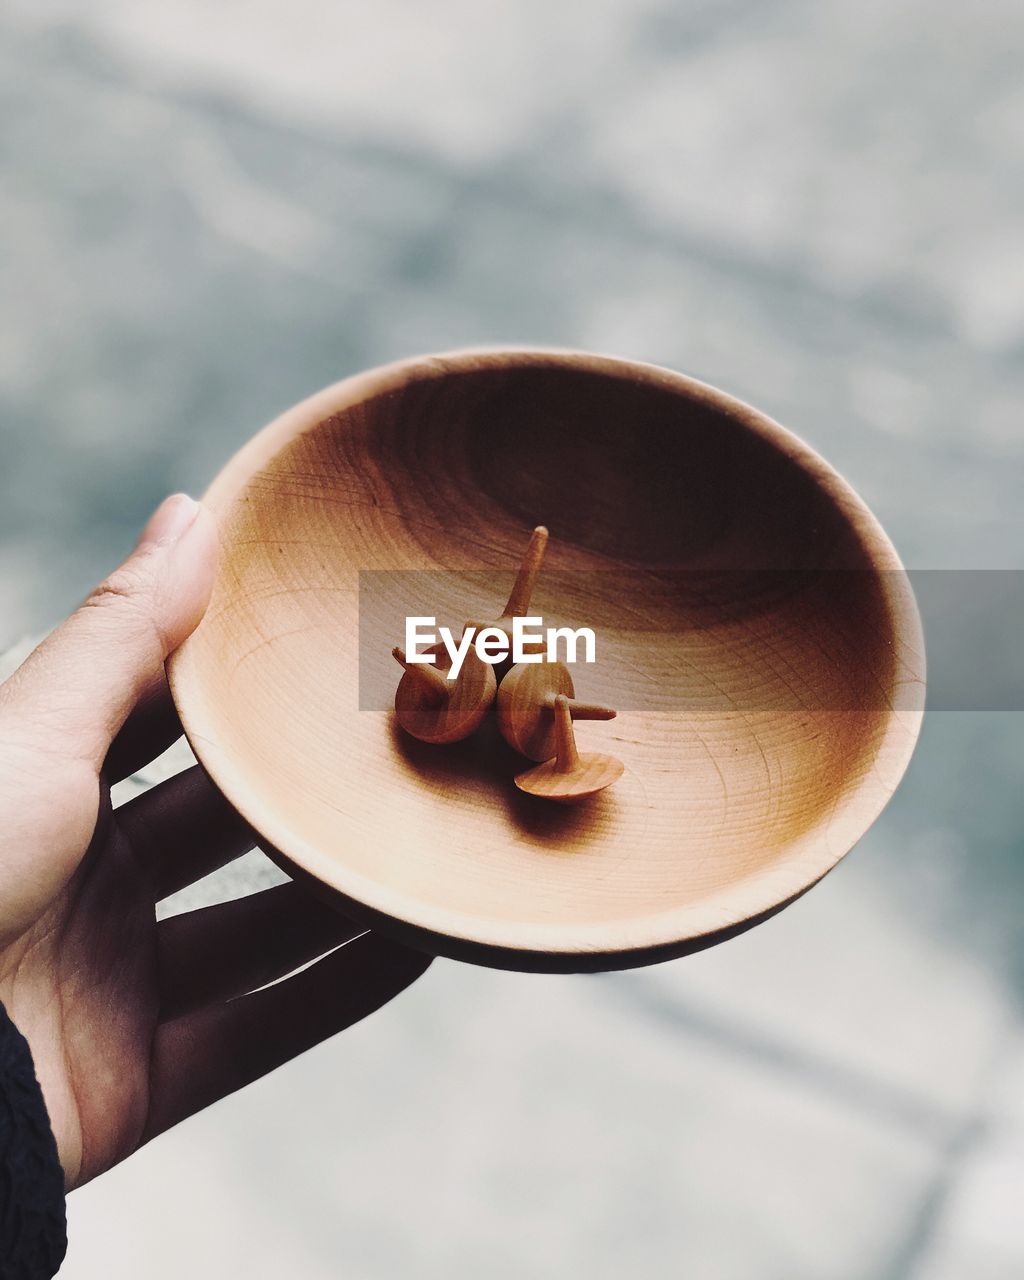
x,y
756,636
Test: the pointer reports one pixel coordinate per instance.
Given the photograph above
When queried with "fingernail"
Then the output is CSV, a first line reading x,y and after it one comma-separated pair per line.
x,y
172,518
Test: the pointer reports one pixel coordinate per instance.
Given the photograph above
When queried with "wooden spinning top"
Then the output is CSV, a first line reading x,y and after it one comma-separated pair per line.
x,y
435,709
526,707
570,776
518,603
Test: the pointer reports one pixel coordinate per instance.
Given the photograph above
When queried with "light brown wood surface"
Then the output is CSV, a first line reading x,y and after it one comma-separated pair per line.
x,y
755,634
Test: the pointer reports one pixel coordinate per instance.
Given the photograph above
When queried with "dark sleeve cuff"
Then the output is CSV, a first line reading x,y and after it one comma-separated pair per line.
x,y
33,1227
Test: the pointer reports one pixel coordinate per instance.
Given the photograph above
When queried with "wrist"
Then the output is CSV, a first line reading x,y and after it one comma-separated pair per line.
x,y
33,1227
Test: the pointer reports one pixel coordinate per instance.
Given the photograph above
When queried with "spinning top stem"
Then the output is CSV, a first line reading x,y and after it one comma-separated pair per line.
x,y
518,602
526,579
582,710
567,758
570,776
434,687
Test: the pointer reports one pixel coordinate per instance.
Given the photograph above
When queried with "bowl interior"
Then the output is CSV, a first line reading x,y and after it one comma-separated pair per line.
x,y
753,630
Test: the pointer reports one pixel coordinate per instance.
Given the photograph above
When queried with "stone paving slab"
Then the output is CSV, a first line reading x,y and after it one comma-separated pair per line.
x,y
975,1227
555,1133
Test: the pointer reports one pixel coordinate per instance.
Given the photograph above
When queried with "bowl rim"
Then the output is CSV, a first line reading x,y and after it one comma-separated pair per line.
x,y
623,942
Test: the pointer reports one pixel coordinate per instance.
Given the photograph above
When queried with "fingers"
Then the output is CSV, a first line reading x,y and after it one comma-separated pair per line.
x,y
204,1056
226,950
73,694
182,830
147,733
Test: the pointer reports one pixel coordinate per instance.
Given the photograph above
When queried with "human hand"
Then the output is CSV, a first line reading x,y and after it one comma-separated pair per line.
x,y
133,1024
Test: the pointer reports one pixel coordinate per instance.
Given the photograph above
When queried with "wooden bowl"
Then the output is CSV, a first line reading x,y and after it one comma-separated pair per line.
x,y
756,634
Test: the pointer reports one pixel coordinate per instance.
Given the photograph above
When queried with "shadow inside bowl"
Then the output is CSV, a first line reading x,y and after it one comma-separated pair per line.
x,y
485,761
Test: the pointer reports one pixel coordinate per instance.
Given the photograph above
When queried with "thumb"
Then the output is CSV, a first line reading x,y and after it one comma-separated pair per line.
x,y
72,694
